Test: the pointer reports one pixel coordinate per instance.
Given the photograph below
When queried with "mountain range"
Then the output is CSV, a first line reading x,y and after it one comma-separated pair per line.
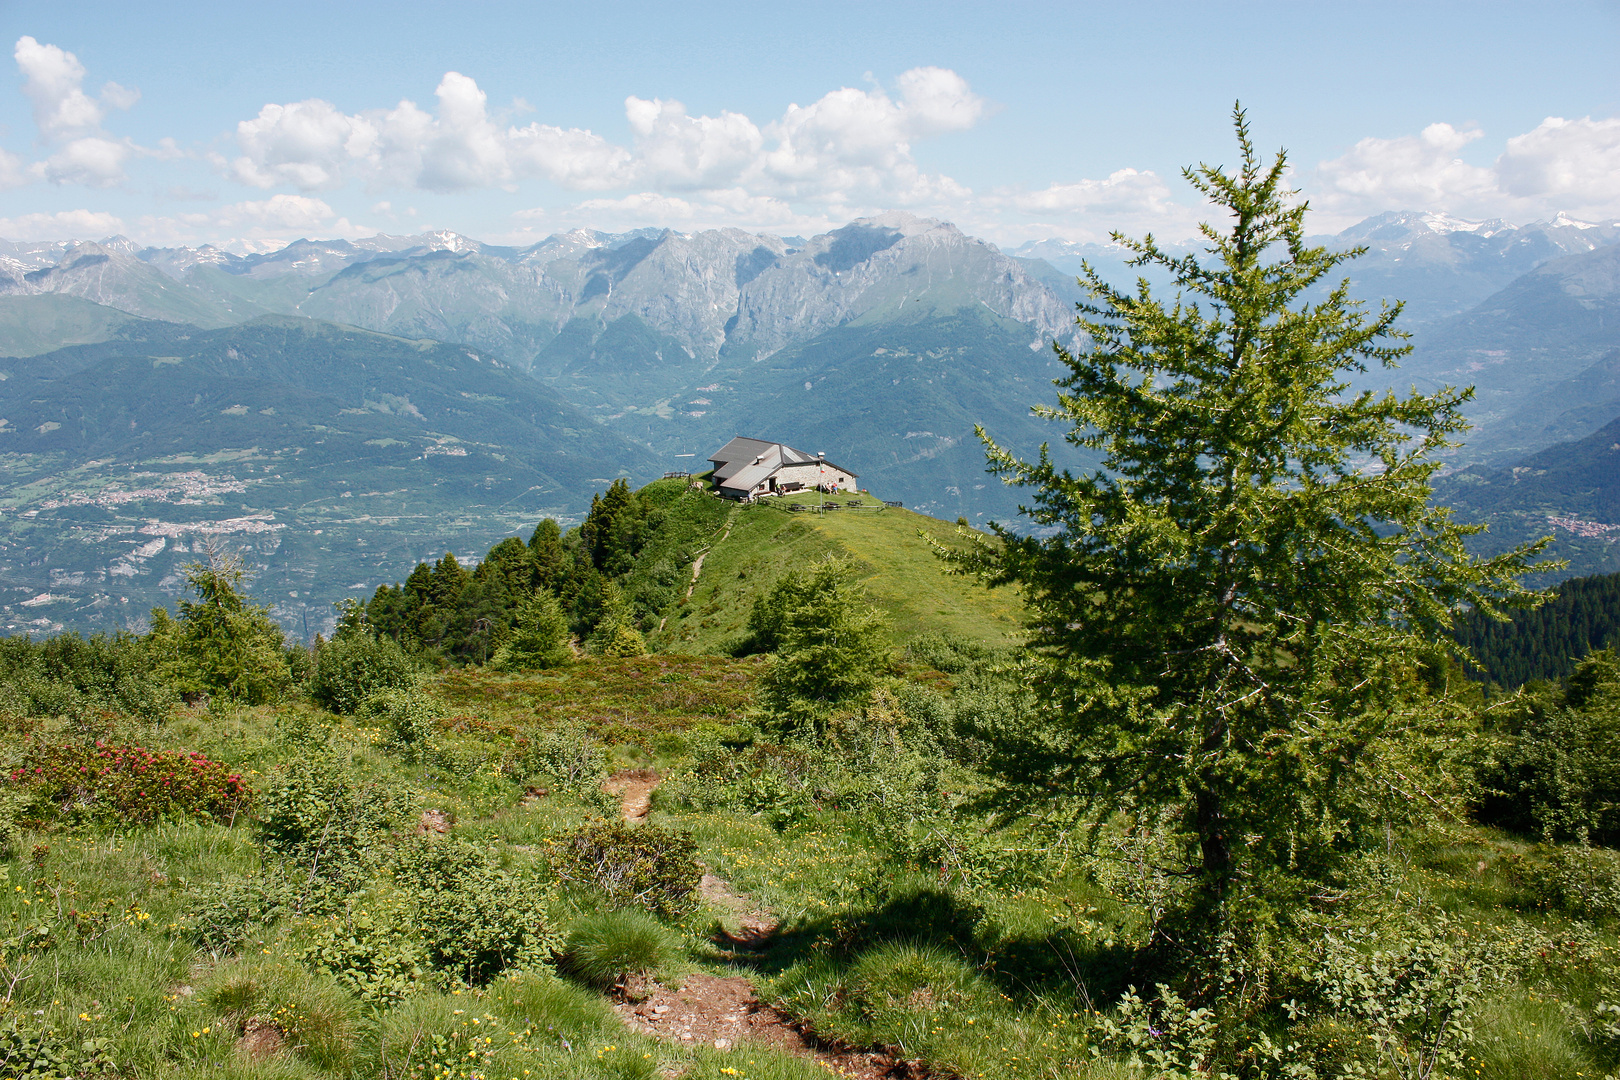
x,y
342,408
1438,265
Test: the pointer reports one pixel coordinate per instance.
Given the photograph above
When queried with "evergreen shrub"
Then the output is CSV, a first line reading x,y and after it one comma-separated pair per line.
x,y
647,866
122,784
538,638
221,647
352,667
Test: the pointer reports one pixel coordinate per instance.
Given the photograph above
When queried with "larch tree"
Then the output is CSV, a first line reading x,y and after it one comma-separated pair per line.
x,y
1231,614
222,646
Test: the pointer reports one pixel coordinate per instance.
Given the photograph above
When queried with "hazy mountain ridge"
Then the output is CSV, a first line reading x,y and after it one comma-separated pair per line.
x,y
1437,264
1538,354
711,291
114,278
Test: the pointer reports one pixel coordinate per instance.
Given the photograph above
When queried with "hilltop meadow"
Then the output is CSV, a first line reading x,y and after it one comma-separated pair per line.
x,y
454,842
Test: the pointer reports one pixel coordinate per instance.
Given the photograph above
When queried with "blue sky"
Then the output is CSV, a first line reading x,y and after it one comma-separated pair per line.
x,y
187,122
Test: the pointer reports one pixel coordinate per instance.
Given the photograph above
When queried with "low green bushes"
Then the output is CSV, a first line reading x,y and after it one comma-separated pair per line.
x,y
475,918
77,677
353,666
1552,770
1578,880
406,719
563,758
42,1053
646,866
319,811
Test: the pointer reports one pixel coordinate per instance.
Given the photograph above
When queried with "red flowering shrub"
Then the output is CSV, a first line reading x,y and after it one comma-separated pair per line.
x,y
128,783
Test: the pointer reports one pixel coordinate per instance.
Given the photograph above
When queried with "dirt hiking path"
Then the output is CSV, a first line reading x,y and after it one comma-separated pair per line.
x,y
725,1011
634,788
697,564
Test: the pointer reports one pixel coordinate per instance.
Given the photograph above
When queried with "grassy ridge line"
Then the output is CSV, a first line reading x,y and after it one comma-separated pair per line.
x,y
902,575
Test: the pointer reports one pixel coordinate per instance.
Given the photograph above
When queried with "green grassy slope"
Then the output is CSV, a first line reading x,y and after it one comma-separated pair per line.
x,y
749,548
1000,954
31,325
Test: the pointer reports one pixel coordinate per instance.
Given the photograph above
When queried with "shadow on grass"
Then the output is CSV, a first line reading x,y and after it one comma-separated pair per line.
x,y
1065,962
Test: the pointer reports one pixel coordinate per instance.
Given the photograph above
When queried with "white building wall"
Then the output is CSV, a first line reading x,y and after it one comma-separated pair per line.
x,y
811,474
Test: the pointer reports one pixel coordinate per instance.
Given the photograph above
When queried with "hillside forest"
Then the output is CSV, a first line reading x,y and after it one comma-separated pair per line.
x,y
1241,766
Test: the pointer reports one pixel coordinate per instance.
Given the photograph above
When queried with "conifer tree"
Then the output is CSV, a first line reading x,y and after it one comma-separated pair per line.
x,y
538,638
221,646
830,642
547,555
616,633
1229,613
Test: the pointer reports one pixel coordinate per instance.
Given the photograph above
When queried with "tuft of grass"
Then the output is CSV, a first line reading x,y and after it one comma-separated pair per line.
x,y
1521,1035
321,1023
611,947
753,1063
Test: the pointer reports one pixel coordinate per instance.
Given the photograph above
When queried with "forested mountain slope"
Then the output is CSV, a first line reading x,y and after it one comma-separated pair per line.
x,y
1581,616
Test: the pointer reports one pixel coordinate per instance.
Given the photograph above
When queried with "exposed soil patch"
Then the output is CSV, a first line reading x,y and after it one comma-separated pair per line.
x,y
433,821
697,564
260,1039
634,787
697,567
726,1013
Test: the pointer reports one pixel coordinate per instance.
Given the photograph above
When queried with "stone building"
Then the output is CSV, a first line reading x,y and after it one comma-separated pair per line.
x,y
747,468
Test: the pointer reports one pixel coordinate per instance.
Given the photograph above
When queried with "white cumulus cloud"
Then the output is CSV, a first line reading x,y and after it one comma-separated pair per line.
x,y
1125,190
93,160
313,146
69,120
13,172
305,145
848,144
684,151
1423,171
282,212
1561,164
1573,164
62,225
569,157
264,223
53,79
854,143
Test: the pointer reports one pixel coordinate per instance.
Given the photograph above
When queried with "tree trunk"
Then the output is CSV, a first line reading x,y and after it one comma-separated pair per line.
x,y
1210,817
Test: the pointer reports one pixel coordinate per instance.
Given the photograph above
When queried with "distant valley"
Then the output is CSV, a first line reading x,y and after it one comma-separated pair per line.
x,y
340,409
